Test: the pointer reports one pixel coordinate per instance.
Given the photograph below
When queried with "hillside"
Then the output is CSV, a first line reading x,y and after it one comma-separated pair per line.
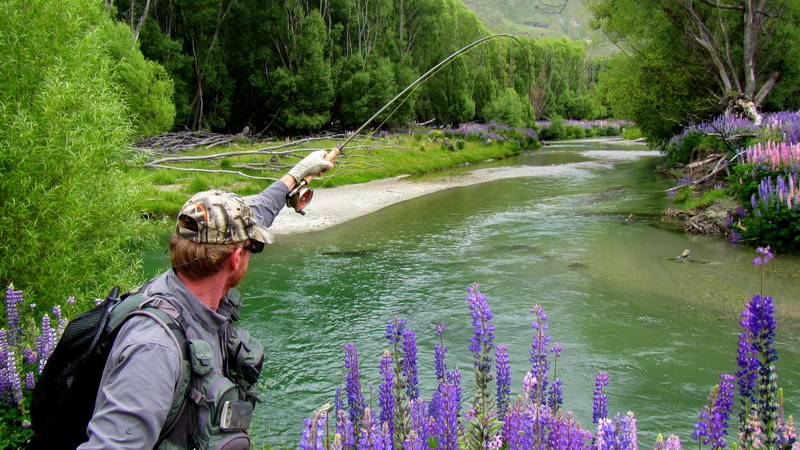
x,y
535,18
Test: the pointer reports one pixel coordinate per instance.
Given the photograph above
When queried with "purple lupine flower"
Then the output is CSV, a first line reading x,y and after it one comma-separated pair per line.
x,y
713,424
482,326
440,350
371,437
759,320
724,406
503,379
756,356
629,433
409,363
13,315
600,404
46,342
766,255
420,424
29,356
355,399
60,319
314,431
539,352
447,423
481,345
30,381
554,395
5,376
345,428
394,331
566,433
514,425
387,400
14,379
338,403
619,433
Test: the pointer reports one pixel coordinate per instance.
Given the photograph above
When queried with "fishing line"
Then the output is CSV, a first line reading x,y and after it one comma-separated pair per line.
x,y
301,195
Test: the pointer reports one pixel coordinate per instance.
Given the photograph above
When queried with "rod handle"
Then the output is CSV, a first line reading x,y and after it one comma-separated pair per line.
x,y
332,154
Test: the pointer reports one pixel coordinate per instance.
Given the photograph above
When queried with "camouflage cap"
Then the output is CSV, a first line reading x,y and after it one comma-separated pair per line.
x,y
218,217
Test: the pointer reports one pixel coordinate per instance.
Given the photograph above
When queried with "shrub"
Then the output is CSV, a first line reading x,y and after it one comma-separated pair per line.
x,y
146,87
510,109
66,220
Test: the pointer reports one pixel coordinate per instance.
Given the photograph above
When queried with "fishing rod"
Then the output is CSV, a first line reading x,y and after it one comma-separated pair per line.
x,y
299,197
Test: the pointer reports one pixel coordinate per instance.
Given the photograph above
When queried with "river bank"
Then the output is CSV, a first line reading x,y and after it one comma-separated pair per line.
x,y
336,205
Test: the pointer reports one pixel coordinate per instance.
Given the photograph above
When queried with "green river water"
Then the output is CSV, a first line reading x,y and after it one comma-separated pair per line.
x,y
564,227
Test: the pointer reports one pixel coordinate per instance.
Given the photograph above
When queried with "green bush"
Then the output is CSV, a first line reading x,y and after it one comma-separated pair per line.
x,y
67,224
556,130
779,228
509,108
146,87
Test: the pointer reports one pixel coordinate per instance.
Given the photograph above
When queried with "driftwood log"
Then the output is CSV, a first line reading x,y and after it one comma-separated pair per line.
x,y
164,152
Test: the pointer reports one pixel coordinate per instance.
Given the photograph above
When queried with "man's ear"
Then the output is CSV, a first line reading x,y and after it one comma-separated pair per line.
x,y
235,259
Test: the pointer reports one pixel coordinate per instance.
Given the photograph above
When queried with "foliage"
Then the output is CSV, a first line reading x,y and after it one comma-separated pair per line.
x,y
25,345
66,222
146,87
559,129
307,92
510,109
764,161
301,67
385,155
535,419
682,59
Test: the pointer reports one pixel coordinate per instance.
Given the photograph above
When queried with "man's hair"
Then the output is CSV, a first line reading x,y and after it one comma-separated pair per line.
x,y
196,260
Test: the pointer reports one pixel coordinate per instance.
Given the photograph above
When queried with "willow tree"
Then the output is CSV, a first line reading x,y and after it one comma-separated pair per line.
x,y
733,41
729,54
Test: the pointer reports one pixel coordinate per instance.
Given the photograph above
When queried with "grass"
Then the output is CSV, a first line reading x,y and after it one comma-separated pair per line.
x,y
362,161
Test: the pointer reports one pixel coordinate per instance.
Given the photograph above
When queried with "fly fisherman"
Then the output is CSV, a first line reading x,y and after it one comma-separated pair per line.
x,y
140,403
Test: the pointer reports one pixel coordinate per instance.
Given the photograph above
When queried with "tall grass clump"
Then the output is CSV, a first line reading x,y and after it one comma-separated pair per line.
x,y
67,222
475,408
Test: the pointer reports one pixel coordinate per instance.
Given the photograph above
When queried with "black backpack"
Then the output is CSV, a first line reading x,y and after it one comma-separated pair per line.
x,y
64,397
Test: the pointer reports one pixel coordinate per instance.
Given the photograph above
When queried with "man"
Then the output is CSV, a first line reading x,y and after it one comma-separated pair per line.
x,y
215,237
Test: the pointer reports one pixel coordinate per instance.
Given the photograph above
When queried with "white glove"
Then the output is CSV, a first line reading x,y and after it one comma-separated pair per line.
x,y
313,164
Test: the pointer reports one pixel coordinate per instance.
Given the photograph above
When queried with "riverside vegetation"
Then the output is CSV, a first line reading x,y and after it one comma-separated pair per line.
x,y
491,418
488,416
754,165
384,155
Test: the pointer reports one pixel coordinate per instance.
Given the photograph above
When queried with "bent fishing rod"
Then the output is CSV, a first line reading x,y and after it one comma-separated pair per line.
x,y
299,197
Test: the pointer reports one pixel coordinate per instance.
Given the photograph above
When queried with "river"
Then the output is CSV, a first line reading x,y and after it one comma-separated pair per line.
x,y
572,230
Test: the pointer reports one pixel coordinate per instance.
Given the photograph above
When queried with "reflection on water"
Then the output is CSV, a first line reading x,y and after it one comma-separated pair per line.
x,y
586,241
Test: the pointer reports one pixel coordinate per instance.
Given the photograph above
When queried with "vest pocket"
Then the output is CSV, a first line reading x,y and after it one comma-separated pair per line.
x,y
221,401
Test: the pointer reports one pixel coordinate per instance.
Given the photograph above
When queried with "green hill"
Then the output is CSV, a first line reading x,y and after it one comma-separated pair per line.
x,y
535,18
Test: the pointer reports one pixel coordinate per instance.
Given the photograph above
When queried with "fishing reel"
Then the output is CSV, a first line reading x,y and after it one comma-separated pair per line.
x,y
299,197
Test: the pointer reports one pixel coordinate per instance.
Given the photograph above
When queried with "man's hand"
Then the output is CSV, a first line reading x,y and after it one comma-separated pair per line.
x,y
313,164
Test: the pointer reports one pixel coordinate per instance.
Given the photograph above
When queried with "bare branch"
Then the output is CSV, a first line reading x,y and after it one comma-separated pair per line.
x,y
719,5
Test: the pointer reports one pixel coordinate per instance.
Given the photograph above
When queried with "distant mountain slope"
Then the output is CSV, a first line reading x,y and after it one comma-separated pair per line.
x,y
535,18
